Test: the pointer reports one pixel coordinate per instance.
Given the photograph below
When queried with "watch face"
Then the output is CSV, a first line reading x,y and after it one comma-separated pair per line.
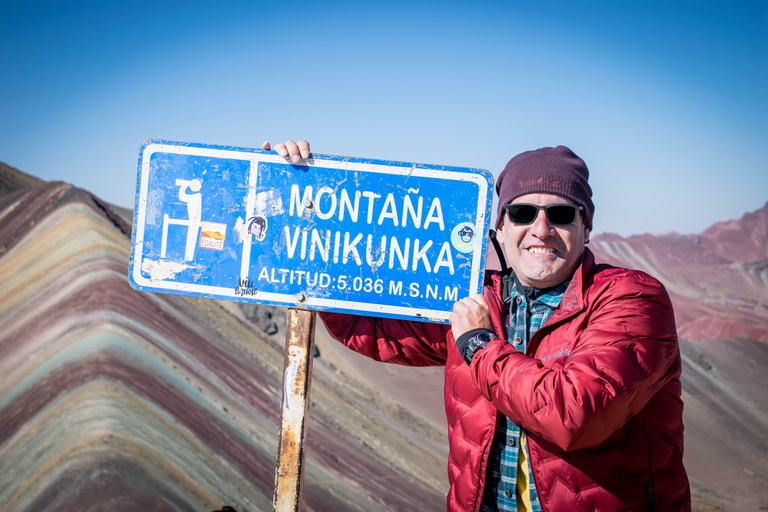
x,y
481,339
477,342
485,337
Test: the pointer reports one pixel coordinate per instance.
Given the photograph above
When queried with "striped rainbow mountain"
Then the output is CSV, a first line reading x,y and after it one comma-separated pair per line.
x,y
112,399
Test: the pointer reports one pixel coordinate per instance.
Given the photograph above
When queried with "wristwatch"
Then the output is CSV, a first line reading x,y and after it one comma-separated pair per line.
x,y
476,342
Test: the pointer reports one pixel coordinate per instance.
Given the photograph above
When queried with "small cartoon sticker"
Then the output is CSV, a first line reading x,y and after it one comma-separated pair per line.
x,y
464,237
257,226
213,235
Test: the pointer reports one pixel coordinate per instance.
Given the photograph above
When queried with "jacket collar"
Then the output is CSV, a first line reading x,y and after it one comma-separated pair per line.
x,y
573,298
571,303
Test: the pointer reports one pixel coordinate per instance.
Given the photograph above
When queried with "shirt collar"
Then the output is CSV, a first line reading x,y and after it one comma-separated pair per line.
x,y
512,288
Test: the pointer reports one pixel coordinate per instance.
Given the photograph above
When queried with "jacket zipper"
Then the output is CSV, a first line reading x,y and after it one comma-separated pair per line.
x,y
650,493
651,498
483,474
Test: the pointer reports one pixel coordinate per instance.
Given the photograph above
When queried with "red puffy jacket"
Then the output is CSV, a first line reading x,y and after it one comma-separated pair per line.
x,y
598,393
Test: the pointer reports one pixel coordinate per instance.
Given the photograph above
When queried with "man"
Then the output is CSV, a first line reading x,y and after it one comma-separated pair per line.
x,y
562,380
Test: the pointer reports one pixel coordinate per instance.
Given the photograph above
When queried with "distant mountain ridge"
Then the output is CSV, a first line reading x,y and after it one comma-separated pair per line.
x,y
12,179
742,240
718,280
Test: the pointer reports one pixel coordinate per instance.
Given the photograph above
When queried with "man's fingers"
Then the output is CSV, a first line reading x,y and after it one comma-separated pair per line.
x,y
303,148
281,150
479,299
468,304
296,151
266,145
293,151
469,313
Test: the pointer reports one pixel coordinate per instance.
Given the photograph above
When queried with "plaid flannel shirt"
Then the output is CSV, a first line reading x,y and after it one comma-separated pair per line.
x,y
508,448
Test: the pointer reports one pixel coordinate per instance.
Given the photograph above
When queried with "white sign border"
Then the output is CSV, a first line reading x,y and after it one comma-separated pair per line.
x,y
255,158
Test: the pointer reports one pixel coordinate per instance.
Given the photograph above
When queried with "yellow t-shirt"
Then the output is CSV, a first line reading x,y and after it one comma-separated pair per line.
x,y
523,490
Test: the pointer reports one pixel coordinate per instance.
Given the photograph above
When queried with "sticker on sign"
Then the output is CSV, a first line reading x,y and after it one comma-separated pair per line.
x,y
333,233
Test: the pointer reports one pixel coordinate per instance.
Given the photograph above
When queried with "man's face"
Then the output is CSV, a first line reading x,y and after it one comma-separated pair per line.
x,y
543,255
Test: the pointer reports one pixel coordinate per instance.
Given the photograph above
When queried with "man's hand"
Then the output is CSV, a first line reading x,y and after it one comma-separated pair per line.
x,y
470,313
297,151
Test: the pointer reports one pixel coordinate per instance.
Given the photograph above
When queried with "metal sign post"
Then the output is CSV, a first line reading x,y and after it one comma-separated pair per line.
x,y
348,235
297,378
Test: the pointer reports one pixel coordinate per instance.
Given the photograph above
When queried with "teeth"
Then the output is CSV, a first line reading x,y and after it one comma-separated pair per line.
x,y
541,250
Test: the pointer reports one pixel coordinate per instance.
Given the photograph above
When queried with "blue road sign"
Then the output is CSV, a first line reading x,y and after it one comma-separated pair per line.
x,y
341,234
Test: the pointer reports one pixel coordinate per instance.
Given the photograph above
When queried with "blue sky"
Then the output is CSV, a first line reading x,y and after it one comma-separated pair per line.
x,y
666,101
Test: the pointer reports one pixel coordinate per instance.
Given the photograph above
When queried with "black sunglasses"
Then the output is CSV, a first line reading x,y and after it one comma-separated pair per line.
x,y
557,214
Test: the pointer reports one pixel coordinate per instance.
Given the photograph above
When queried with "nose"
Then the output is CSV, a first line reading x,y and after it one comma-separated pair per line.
x,y
541,228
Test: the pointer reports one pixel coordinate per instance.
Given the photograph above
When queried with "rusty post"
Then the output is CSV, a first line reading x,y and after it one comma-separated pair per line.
x,y
297,377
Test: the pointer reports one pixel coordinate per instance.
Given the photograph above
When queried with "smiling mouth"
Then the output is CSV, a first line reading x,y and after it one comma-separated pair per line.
x,y
541,250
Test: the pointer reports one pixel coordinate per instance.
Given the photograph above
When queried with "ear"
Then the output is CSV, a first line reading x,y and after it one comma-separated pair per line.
x,y
500,234
586,235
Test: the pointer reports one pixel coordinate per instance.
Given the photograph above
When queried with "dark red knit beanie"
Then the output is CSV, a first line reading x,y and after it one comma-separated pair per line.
x,y
546,170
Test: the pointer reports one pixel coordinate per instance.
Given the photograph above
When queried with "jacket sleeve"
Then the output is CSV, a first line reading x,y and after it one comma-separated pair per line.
x,y
391,341
625,351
